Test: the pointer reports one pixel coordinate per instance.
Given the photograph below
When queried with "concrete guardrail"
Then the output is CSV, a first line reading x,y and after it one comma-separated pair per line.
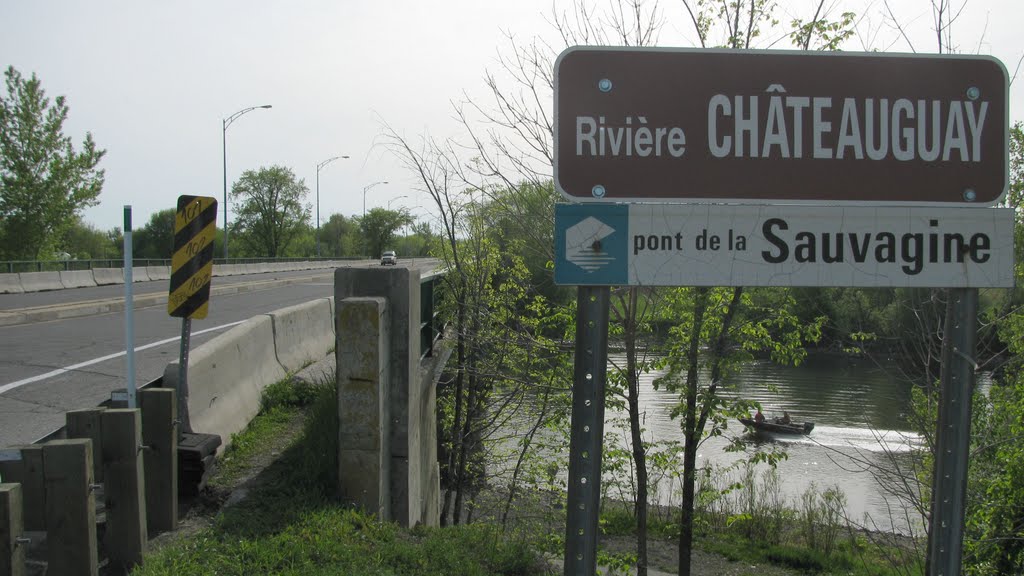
x,y
108,276
40,281
77,278
158,272
227,375
303,333
18,283
10,284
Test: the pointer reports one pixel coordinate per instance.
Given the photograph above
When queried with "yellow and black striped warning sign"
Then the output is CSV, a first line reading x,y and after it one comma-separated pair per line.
x,y
195,227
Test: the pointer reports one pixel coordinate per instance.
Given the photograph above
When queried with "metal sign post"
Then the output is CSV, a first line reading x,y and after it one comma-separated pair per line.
x,y
195,227
587,430
184,425
953,433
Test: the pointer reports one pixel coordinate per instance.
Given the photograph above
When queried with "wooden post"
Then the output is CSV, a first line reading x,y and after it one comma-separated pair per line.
x,y
12,550
27,470
160,458
70,508
86,424
124,488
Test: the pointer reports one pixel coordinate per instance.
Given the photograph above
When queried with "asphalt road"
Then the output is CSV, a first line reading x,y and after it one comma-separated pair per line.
x,y
49,366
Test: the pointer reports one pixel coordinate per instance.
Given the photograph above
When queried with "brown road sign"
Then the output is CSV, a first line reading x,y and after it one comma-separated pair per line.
x,y
195,226
680,125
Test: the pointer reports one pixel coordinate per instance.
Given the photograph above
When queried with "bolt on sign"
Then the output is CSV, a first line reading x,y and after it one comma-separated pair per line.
x,y
766,126
195,226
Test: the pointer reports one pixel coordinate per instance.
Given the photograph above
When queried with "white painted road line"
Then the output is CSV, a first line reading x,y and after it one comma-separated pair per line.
x,y
73,367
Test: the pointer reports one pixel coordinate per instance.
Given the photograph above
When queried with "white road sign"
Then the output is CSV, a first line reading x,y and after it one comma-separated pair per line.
x,y
740,245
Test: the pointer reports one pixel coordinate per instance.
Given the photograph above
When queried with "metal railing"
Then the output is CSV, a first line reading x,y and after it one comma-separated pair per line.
x,y
431,327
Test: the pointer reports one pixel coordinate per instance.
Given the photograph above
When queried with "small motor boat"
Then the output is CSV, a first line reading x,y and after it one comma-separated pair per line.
x,y
776,426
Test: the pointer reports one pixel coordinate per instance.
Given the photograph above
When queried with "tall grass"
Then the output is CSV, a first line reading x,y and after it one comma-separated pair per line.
x,y
742,514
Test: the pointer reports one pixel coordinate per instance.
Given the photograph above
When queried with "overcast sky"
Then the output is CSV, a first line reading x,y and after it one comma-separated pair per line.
x,y
153,81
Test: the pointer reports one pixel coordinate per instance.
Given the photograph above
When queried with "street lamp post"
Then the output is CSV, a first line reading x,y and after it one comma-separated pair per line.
x,y
224,142
364,194
393,199
318,167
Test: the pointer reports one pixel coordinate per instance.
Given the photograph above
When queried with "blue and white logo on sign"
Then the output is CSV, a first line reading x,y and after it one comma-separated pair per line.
x,y
583,246
590,244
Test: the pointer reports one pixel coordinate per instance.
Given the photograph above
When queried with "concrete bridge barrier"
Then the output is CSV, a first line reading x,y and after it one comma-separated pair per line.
x,y
107,276
140,274
10,284
225,270
40,281
77,278
303,333
226,377
158,272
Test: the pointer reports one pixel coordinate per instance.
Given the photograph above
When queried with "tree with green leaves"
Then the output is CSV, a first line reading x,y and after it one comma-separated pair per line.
x,y
156,238
422,241
84,242
271,213
718,328
339,237
378,229
44,182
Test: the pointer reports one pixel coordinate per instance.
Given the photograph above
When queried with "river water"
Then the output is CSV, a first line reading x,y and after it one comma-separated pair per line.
x,y
860,414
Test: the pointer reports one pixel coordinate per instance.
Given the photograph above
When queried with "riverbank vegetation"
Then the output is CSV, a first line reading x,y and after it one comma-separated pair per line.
x,y
271,509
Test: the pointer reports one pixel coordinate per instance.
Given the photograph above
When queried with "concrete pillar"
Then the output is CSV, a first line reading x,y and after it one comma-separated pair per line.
x,y
160,458
12,552
124,488
364,443
401,288
70,508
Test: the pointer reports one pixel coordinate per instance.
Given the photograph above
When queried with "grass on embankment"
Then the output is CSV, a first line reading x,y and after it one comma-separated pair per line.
x,y
851,554
291,523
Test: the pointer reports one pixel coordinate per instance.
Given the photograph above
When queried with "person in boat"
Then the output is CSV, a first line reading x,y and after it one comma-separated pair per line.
x,y
759,418
785,417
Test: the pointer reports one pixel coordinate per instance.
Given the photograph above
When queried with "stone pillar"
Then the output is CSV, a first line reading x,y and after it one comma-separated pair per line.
x,y
364,442
401,288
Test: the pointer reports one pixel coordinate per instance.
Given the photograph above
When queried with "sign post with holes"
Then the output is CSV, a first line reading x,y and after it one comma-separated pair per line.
x,y
195,227
587,434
